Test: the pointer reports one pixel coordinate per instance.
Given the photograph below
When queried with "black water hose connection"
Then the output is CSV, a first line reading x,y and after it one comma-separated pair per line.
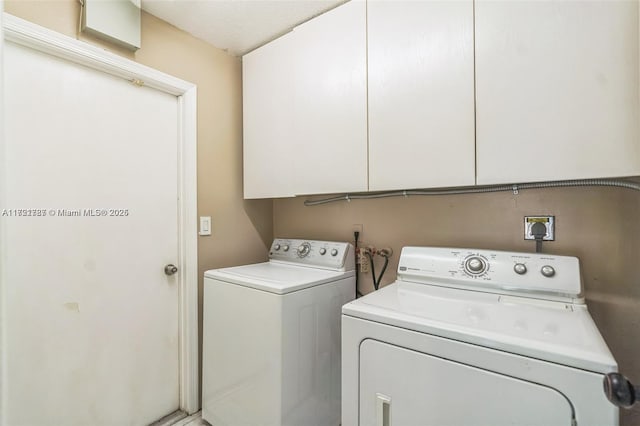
x,y
369,252
356,236
386,253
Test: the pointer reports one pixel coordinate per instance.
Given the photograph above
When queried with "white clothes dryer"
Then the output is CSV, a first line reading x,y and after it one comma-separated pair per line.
x,y
271,336
475,337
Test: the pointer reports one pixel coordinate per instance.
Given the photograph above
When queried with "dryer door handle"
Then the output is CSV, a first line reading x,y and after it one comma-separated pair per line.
x,y
383,410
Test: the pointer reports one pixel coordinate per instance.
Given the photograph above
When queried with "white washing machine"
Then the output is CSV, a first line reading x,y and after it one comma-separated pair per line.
x,y
475,337
271,336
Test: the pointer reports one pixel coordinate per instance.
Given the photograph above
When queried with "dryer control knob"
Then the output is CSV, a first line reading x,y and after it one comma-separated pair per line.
x,y
334,252
276,247
286,247
323,251
548,271
520,268
475,265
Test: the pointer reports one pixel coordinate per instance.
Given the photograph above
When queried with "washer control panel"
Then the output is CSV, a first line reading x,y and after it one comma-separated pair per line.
x,y
322,254
538,275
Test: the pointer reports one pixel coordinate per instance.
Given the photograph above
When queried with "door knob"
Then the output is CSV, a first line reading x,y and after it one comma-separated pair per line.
x,y
170,269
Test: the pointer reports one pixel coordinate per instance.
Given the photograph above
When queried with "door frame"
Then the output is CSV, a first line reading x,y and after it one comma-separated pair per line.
x,y
3,205
52,43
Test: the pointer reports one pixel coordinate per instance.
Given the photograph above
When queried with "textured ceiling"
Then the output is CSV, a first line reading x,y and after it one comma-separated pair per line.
x,y
237,26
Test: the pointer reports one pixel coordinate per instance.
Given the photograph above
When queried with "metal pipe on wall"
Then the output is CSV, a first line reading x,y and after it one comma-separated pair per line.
x,y
477,190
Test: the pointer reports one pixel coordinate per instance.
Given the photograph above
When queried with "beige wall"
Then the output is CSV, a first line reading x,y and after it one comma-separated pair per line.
x,y
599,225
242,230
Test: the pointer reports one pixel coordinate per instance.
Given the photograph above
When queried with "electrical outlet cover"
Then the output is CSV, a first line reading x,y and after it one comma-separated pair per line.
x,y
549,223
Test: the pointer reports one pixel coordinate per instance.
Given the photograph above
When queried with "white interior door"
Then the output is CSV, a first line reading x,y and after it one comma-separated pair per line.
x,y
90,319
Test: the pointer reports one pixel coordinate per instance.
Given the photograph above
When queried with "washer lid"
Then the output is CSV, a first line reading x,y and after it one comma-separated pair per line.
x,y
559,332
275,277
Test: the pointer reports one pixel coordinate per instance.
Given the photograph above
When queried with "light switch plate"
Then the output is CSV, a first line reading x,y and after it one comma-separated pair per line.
x,y
549,223
205,225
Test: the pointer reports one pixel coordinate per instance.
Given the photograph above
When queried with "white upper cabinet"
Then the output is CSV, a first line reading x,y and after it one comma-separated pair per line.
x,y
330,113
557,90
403,94
267,119
421,94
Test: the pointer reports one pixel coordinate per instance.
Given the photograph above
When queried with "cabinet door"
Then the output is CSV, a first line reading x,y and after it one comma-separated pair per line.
x,y
421,94
267,97
557,90
330,113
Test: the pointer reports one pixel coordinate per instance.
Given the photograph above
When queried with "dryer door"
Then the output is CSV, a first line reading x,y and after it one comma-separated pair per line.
x,y
401,387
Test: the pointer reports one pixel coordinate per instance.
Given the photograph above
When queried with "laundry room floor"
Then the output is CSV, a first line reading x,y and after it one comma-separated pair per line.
x,y
192,420
179,418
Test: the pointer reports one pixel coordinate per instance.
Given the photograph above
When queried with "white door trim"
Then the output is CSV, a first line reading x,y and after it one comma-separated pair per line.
x,y
3,233
50,42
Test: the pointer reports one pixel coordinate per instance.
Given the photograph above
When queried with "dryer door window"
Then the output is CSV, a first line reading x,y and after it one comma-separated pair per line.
x,y
401,387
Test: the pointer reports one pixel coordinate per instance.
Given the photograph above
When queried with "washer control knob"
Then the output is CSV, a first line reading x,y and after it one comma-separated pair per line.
x,y
286,247
520,268
276,247
323,251
334,252
548,271
475,265
304,249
